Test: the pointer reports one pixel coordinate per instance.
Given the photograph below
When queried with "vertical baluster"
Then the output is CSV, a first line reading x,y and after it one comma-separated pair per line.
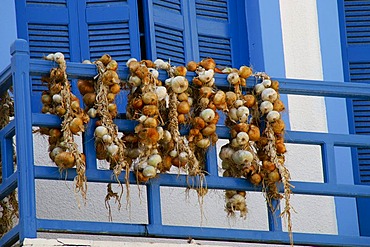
x,y
23,129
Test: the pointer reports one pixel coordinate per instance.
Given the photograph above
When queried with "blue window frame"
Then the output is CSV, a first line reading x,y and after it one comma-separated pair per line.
x,y
355,19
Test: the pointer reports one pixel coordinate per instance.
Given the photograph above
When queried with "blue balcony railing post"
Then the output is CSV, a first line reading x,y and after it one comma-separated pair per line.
x,y
20,66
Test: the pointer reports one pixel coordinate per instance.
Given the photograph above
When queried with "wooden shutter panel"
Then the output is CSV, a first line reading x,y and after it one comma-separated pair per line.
x,y
83,29
357,22
109,26
195,29
357,52
49,26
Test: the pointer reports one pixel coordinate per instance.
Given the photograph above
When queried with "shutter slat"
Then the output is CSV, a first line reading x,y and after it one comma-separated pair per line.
x,y
58,3
110,28
357,14
171,5
193,30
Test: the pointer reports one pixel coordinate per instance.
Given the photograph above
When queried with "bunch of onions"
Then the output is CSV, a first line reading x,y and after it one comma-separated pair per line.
x,y
271,147
238,156
208,99
61,101
147,96
99,98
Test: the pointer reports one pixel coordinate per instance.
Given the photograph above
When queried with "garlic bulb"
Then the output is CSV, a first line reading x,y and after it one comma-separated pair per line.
x,y
154,160
154,72
179,84
107,139
183,157
160,132
59,57
206,76
226,153
208,115
134,81
50,57
112,149
269,94
233,78
160,64
161,92
100,131
272,116
92,112
238,103
168,81
232,114
57,98
242,157
244,118
173,153
266,106
166,136
258,88
149,172
131,60
242,138
242,110
266,83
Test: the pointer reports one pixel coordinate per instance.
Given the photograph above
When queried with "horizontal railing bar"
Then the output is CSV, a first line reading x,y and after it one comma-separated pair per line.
x,y
8,185
223,132
340,140
208,233
5,79
211,233
287,86
90,227
212,182
8,131
11,237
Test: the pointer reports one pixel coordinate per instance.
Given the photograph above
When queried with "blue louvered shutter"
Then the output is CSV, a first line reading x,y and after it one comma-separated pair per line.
x,y
83,29
357,64
195,29
109,26
45,24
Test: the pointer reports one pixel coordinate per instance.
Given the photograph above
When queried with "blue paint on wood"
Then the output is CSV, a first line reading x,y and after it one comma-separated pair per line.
x,y
23,129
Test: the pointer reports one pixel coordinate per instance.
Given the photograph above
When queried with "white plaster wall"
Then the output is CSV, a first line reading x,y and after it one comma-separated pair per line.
x,y
303,61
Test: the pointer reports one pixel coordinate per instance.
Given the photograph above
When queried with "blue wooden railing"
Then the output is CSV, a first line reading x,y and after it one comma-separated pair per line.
x,y
18,74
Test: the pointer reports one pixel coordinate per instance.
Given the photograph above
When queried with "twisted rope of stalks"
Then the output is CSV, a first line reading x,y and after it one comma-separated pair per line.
x,y
101,104
80,179
182,145
285,178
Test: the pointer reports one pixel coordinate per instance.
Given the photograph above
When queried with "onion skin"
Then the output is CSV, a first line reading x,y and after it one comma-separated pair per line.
x,y
183,107
85,86
192,66
115,88
64,160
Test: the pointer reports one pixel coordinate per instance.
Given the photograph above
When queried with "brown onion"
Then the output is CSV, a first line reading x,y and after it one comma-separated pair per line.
x,y
85,86
115,88
64,160
76,125
89,99
183,107
192,66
